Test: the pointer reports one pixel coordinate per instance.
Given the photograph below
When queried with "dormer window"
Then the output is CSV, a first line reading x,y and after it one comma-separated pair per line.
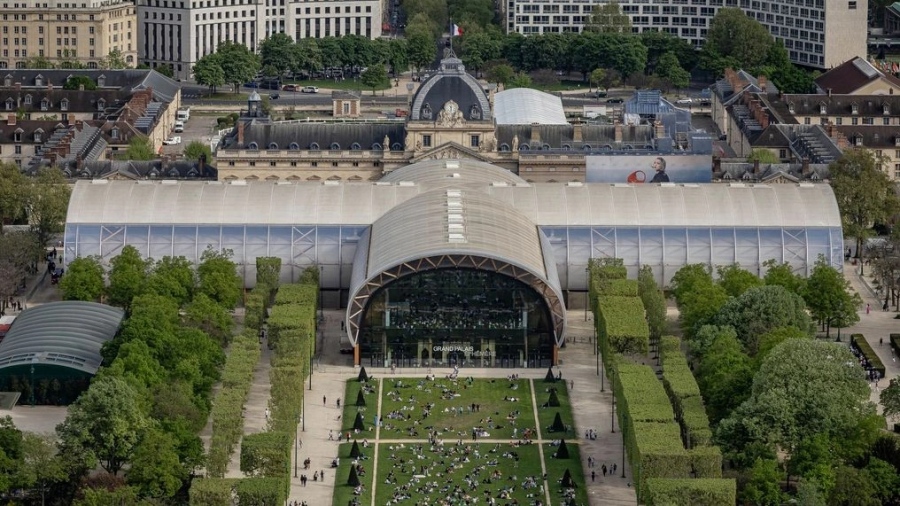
x,y
823,109
114,133
7,81
253,146
886,109
897,141
875,139
101,104
17,135
854,109
64,104
101,81
27,99
475,113
45,104
38,134
39,80
858,140
427,113
791,107
9,104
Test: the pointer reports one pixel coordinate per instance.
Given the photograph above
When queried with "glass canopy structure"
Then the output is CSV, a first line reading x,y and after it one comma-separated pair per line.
x,y
437,221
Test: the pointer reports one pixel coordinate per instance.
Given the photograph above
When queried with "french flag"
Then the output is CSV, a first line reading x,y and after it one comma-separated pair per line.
x,y
456,31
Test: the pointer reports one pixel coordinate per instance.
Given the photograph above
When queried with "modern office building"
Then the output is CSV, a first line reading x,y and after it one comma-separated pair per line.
x,y
817,33
180,32
80,30
458,257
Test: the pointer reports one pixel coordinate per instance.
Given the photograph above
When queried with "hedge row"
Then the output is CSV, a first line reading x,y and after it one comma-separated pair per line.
x,y
249,492
895,342
621,326
681,386
652,437
693,492
227,407
865,348
621,287
267,454
211,491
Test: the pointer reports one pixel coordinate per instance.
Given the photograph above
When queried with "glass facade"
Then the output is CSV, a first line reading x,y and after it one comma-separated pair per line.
x,y
456,317
666,249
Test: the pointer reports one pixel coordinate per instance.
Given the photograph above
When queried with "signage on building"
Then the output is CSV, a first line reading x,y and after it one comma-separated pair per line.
x,y
670,168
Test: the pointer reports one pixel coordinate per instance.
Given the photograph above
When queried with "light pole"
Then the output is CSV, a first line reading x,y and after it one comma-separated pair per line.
x,y
31,386
612,418
296,443
587,294
303,413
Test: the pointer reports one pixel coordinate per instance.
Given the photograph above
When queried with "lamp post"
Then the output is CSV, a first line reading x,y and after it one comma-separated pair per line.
x,y
31,386
587,294
612,418
623,455
296,444
303,413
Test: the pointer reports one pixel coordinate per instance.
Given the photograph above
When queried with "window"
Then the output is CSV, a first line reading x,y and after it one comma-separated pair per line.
x,y
897,171
27,99
271,164
45,104
37,135
253,164
474,140
64,106
851,5
426,141
18,149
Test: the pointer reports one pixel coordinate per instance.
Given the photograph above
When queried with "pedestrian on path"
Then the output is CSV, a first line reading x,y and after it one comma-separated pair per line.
x,y
603,469
324,401
868,308
322,474
593,475
339,403
267,413
571,384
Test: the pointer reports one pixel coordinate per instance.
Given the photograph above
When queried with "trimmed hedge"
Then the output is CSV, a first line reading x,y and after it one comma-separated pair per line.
x,y
895,342
621,287
693,492
706,461
640,394
621,325
681,386
227,407
262,491
866,349
267,454
211,491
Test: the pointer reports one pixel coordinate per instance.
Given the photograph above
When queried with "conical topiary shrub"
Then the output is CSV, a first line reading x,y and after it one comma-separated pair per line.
x,y
353,480
550,378
563,451
361,400
358,423
363,377
553,402
354,450
566,479
558,425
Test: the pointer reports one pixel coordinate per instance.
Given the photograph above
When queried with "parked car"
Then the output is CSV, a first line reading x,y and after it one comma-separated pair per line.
x,y
253,84
172,140
289,87
601,94
273,96
179,127
685,101
310,89
614,101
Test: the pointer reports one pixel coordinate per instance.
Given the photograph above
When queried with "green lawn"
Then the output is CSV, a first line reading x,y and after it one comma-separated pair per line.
x,y
547,414
404,414
368,412
344,493
556,468
331,84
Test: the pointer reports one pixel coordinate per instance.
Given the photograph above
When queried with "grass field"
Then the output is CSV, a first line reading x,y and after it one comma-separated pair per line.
x,y
458,470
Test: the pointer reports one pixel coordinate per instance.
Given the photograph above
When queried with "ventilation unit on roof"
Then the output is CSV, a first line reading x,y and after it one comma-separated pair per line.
x,y
454,193
621,185
168,181
99,181
382,183
575,183
406,183
499,183
806,185
452,164
238,182
456,238
331,183
737,185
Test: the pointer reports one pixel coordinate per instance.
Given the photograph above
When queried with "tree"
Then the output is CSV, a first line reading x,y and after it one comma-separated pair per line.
x,y
830,298
11,450
128,275
139,148
771,339
735,39
735,280
853,487
218,277
763,487
670,71
701,306
196,150
13,193
420,44
608,18
104,423
479,47
689,277
41,465
864,193
659,43
782,274
19,251
166,70
48,203
761,309
804,387
724,376
277,51
39,62
208,71
205,314
374,77
114,60
172,277
83,279
519,80
890,398
80,82
500,73
885,480
654,301
238,63
702,340
762,156
307,55
155,469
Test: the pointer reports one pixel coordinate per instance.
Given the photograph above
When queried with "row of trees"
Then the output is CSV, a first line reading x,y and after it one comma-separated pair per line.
x,y
784,405
139,419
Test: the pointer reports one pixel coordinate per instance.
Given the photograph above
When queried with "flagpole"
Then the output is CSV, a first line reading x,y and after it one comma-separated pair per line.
x,y
451,35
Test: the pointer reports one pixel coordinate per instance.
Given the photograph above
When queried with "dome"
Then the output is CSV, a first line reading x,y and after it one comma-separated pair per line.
x,y
254,97
453,84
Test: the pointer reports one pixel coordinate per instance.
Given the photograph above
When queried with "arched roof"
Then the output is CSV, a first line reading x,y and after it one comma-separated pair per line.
x,y
525,106
451,82
454,228
453,172
546,204
64,334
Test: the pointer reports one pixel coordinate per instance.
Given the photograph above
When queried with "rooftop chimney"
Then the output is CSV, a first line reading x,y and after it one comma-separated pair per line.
x,y
829,91
11,119
201,165
763,83
618,132
240,134
535,132
576,131
805,170
756,167
659,130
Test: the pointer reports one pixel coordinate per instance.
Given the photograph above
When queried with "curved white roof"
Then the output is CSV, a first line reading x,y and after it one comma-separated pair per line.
x,y
524,106
453,172
546,204
65,334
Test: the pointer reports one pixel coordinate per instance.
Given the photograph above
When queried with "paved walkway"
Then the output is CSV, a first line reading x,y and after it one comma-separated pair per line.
x,y
591,409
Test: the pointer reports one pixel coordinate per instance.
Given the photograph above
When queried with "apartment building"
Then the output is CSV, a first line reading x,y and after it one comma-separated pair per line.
x,y
180,32
82,30
816,33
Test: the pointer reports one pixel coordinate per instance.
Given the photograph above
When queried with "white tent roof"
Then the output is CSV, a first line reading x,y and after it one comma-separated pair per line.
x,y
524,106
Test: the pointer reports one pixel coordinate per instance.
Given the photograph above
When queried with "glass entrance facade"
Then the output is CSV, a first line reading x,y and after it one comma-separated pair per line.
x,y
456,317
